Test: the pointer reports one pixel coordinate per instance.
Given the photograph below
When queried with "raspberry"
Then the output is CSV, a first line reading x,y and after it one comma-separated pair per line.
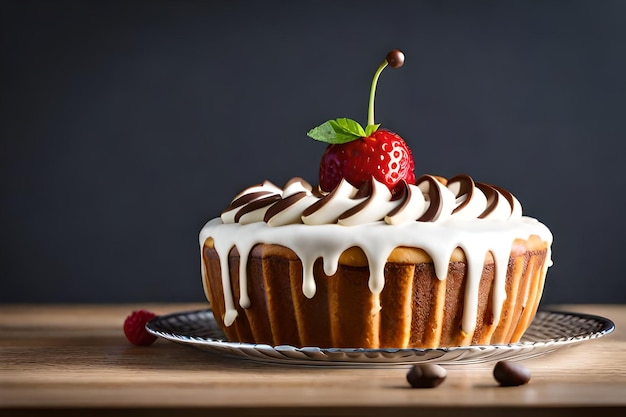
x,y
135,328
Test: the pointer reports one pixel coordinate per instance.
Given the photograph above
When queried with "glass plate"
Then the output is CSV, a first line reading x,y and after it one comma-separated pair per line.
x,y
549,331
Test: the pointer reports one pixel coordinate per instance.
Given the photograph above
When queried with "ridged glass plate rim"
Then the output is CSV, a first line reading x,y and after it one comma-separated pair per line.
x,y
549,331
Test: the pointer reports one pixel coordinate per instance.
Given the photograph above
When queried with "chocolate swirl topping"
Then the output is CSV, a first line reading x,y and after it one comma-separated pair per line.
x,y
431,199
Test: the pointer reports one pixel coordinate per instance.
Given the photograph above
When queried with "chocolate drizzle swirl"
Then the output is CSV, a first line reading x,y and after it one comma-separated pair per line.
x,y
282,205
434,196
431,199
465,191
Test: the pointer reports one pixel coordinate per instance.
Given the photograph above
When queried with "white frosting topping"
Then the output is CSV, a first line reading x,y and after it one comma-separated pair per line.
x,y
432,199
430,215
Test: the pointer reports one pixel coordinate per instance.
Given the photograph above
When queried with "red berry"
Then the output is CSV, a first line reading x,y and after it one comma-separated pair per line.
x,y
135,328
383,155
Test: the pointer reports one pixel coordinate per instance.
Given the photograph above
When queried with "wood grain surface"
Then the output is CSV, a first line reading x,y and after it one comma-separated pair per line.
x,y
74,360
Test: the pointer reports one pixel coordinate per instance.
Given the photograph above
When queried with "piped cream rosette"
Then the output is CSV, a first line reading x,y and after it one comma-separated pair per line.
x,y
432,199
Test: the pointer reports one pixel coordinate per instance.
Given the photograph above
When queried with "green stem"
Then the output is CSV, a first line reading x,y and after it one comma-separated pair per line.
x,y
370,108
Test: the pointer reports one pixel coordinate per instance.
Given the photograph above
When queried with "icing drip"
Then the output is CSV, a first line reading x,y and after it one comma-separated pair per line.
x,y
435,215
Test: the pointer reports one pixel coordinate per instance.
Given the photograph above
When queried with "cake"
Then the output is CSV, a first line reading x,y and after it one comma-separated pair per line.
x,y
373,257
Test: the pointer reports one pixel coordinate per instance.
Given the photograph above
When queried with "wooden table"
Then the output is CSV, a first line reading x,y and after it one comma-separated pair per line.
x,y
74,360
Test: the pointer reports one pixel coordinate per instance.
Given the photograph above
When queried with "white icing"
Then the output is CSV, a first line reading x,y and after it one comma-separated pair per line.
x,y
430,186
292,214
257,192
374,208
414,207
476,237
502,209
474,205
339,201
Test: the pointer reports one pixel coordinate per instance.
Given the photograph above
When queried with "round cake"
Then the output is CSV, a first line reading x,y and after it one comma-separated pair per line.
x,y
373,257
439,264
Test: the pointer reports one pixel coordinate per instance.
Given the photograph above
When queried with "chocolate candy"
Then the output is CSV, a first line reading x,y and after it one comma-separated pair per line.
x,y
509,374
426,376
395,58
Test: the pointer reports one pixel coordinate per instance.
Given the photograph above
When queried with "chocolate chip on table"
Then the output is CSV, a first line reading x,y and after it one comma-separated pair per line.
x,y
426,375
509,374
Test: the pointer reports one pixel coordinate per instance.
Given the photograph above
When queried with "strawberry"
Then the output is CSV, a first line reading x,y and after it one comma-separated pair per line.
x,y
358,154
383,155
135,328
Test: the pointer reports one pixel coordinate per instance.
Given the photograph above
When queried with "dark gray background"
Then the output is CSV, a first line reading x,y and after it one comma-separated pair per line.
x,y
124,126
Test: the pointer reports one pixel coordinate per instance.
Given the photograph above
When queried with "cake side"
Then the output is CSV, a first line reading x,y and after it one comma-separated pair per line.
x,y
414,309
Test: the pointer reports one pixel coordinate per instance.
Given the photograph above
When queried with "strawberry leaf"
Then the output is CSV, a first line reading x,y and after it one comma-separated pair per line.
x,y
371,129
349,125
337,131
